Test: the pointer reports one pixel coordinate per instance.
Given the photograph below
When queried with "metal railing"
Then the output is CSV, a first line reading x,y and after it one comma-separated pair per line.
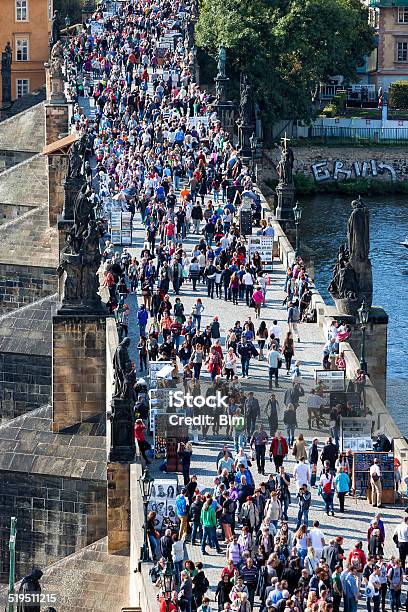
x,y
339,135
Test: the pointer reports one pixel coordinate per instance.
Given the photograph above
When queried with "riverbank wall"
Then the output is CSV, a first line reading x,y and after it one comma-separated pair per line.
x,y
383,421
325,163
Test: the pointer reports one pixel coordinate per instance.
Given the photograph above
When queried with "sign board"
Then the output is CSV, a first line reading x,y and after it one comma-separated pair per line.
x,y
96,28
264,246
332,380
355,433
156,366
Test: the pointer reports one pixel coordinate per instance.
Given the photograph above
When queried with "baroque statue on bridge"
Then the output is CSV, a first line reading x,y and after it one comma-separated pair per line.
x,y
80,260
122,370
352,274
284,166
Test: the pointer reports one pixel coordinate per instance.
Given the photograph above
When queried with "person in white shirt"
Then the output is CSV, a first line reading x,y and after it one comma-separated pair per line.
x,y
317,539
248,282
273,363
276,330
301,473
376,486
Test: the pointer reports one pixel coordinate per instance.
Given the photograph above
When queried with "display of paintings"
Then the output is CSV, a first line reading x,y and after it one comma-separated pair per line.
x,y
162,501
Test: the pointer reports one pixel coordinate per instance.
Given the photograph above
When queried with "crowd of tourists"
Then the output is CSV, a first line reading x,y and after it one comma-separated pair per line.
x,y
159,145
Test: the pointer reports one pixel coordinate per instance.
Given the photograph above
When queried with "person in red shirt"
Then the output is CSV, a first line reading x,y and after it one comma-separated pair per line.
x,y
172,606
278,450
142,443
357,559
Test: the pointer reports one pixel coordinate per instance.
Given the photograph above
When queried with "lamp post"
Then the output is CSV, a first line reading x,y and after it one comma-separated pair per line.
x,y
252,144
145,484
12,549
363,316
297,215
168,584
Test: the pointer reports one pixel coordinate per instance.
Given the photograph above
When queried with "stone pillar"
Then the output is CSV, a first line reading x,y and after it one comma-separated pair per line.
x,y
56,121
118,475
78,369
57,168
375,348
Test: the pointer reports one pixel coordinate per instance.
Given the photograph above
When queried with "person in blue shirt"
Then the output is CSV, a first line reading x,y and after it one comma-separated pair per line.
x,y
142,317
243,471
342,483
350,590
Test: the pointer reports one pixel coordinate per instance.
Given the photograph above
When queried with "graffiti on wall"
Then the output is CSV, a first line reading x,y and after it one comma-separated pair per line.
x,y
367,169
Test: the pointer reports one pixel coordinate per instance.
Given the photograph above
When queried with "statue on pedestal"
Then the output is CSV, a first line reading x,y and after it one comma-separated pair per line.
x,y
76,158
56,60
80,260
222,61
284,167
55,29
246,105
6,61
352,274
122,419
122,370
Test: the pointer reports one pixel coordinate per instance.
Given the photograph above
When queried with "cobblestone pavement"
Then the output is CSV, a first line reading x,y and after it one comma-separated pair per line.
x,y
354,523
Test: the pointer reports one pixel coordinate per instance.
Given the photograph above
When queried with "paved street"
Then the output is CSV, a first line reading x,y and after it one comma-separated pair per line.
x,y
352,525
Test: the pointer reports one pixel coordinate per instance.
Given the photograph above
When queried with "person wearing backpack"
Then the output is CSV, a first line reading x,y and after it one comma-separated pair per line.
x,y
326,486
357,559
395,578
293,318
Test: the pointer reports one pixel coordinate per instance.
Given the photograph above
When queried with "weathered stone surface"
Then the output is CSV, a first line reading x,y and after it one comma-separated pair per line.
x,y
8,159
55,485
25,131
28,241
25,358
90,579
81,343
306,156
118,515
26,183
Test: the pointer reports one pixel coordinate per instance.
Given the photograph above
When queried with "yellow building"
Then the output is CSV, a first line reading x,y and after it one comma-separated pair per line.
x,y
389,62
26,25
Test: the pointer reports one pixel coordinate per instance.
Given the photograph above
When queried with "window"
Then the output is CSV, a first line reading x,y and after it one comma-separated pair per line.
x,y
402,52
21,10
403,14
22,49
22,87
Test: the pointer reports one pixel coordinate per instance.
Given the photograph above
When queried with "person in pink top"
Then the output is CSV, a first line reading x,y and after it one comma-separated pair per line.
x,y
258,298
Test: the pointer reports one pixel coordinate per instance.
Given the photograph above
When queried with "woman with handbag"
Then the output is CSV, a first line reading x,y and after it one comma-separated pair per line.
x,y
288,350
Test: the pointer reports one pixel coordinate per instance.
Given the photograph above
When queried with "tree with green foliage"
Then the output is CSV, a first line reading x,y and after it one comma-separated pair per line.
x,y
399,95
287,47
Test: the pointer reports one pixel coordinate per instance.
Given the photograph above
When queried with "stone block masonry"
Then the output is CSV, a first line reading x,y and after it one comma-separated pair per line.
x,y
79,369
118,514
8,159
57,169
23,284
56,122
25,384
56,517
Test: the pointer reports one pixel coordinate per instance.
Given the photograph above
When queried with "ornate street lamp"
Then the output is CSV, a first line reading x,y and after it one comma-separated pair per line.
x,y
363,316
297,215
253,143
145,485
